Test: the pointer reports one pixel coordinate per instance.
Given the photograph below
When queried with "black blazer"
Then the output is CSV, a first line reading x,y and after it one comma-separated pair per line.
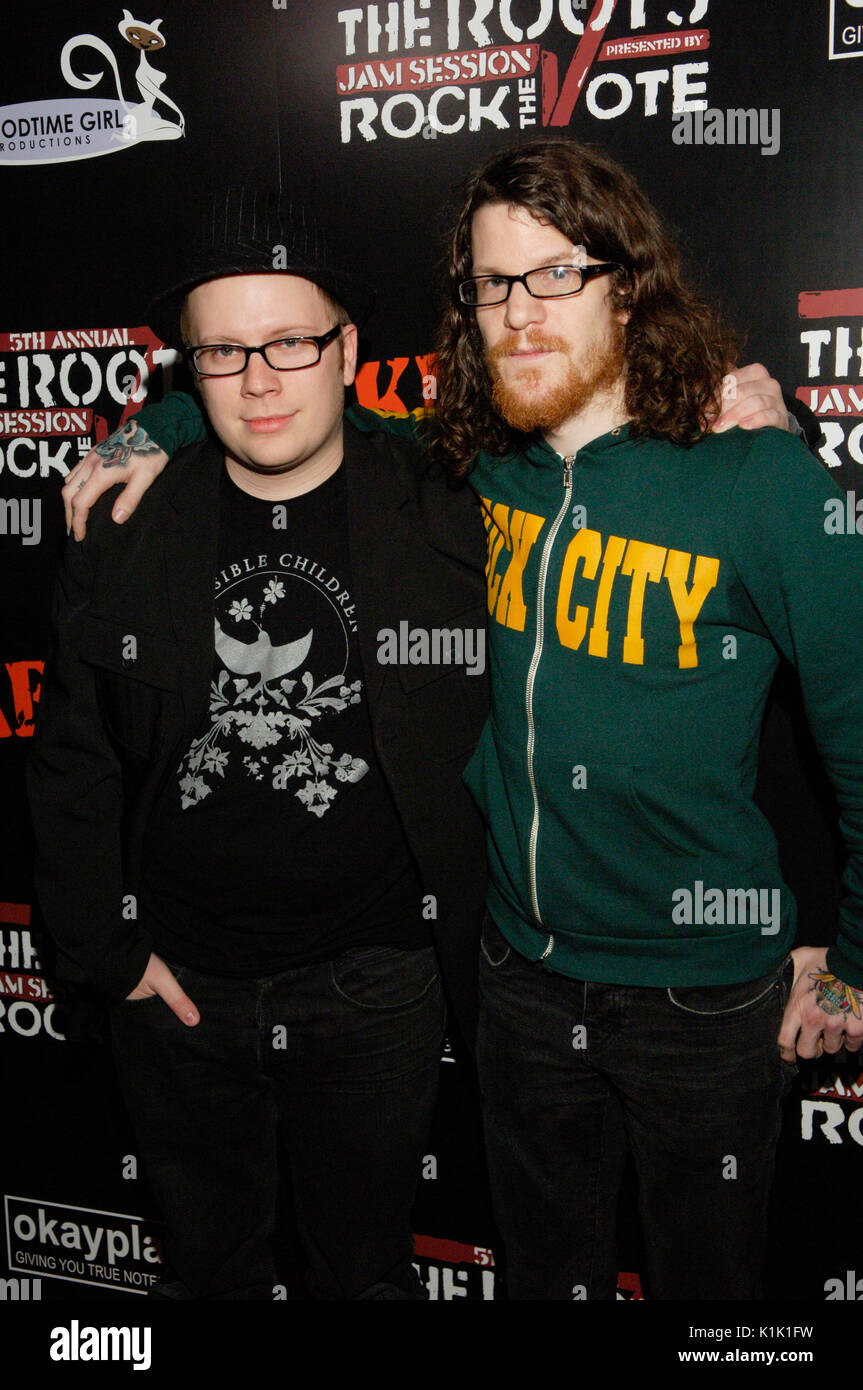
x,y
111,729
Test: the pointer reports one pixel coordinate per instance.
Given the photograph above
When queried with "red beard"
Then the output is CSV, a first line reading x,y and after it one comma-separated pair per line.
x,y
526,406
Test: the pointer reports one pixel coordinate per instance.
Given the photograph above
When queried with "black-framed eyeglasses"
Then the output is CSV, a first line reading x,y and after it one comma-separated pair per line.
x,y
546,282
282,354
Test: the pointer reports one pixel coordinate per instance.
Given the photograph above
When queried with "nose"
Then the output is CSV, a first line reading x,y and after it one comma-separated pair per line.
x,y
259,378
522,309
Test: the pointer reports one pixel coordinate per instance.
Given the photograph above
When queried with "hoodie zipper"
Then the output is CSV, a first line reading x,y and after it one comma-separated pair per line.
x,y
531,681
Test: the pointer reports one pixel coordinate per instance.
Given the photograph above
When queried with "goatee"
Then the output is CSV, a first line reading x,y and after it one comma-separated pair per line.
x,y
527,404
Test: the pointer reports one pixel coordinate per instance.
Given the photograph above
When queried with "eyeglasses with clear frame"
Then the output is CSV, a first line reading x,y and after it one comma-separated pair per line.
x,y
282,354
546,282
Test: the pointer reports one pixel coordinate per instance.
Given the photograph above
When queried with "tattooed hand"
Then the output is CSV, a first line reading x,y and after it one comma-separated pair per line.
x,y
824,1013
129,448
118,448
834,996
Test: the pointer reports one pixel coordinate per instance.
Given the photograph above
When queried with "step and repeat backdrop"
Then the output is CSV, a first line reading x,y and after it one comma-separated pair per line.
x,y
743,123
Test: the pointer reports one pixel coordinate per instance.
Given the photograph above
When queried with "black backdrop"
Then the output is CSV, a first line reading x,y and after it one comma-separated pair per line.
x,y
90,227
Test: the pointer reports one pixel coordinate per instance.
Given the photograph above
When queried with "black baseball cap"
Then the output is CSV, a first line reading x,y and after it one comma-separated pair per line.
x,y
254,231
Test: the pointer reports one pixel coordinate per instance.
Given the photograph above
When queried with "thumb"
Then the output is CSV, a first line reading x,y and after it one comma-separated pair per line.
x,y
172,992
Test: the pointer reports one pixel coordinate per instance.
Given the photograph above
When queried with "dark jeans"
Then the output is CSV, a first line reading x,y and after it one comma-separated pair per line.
x,y
689,1079
338,1061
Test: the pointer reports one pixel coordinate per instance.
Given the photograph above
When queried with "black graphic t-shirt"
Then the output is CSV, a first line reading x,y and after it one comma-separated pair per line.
x,y
278,844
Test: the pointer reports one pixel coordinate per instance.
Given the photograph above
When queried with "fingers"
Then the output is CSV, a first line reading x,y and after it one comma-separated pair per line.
x,y
75,480
754,372
84,486
159,979
788,1033
753,414
807,1032
182,1006
165,982
95,474
751,399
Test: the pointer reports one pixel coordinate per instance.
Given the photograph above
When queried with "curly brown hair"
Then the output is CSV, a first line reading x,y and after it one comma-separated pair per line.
x,y
676,350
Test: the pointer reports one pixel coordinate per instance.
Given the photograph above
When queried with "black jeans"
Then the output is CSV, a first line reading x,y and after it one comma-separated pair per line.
x,y
690,1079
339,1061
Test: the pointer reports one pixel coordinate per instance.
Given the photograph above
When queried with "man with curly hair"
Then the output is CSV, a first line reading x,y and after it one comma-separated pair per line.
x,y
645,575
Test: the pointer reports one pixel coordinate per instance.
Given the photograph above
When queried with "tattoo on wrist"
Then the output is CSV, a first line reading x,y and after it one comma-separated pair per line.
x,y
834,996
118,448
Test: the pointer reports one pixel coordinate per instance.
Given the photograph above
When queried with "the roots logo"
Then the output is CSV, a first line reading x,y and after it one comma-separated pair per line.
x,y
833,339
57,1241
27,1008
451,1270
488,68
64,390
846,28
41,132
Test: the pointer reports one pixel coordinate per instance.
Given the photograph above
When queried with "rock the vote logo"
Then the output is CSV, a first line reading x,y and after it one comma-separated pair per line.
x,y
123,109
428,69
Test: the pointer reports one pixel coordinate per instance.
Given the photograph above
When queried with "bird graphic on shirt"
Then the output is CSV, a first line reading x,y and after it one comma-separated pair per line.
x,y
271,663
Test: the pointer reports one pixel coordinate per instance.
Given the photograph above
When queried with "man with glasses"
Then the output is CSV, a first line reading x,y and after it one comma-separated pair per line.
x,y
249,831
605,1019
644,578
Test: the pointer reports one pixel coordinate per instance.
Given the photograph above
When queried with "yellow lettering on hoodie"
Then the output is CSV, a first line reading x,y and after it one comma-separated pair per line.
x,y
689,602
516,532
598,642
643,561
585,545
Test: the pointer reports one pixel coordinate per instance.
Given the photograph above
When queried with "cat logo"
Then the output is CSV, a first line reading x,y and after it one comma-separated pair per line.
x,y
67,128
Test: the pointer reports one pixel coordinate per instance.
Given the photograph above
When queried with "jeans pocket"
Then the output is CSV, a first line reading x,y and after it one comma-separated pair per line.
x,y
383,977
725,1001
494,944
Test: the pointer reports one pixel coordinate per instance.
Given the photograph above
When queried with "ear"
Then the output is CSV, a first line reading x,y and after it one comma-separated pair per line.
x,y
350,340
622,316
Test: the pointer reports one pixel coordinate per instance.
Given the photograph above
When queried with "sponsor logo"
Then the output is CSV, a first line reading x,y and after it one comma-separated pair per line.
x,y
450,1269
846,29
843,1091
27,1008
833,1123
832,337
64,390
105,1248
489,69
68,128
